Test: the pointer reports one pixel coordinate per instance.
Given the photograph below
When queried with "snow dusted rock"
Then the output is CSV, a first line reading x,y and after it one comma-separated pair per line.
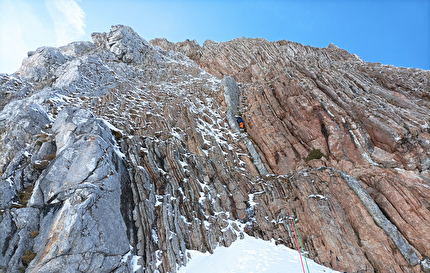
x,y
426,265
20,126
77,49
126,44
12,87
188,48
17,231
121,156
368,120
40,66
81,228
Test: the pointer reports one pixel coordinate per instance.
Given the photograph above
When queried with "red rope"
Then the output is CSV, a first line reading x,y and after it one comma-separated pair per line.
x,y
294,227
295,234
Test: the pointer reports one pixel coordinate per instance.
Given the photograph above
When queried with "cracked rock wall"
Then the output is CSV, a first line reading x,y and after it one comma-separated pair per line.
x,y
121,154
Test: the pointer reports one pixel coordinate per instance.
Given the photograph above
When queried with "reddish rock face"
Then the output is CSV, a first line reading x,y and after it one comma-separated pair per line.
x,y
370,121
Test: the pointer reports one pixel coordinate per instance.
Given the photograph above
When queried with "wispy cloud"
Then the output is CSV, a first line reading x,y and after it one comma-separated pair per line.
x,y
68,18
20,32
25,25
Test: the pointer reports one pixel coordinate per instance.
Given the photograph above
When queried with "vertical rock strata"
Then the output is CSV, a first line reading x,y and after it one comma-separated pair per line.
x,y
369,120
119,155
231,96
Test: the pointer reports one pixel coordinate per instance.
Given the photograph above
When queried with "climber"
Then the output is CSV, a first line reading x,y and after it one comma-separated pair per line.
x,y
240,121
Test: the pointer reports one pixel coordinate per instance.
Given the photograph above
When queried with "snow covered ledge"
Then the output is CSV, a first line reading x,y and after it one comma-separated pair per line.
x,y
249,255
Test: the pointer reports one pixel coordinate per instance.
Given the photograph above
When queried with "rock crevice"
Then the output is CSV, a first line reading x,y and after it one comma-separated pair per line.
x,y
231,96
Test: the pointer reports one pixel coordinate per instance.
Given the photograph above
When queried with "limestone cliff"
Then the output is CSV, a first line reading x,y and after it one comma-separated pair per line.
x,y
119,155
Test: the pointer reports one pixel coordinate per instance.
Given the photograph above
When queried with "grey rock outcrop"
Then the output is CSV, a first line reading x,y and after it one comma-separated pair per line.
x,y
11,88
19,129
77,218
41,65
81,228
126,44
18,229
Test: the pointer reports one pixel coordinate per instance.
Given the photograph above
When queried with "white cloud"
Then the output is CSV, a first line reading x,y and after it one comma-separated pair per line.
x,y
68,18
20,32
25,25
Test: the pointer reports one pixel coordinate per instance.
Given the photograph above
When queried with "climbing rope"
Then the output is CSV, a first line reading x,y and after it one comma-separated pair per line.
x,y
296,233
300,241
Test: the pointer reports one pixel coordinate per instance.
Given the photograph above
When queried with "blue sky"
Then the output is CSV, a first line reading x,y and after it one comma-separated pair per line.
x,y
389,32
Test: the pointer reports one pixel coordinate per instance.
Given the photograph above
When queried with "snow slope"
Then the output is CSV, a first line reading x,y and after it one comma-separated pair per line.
x,y
250,255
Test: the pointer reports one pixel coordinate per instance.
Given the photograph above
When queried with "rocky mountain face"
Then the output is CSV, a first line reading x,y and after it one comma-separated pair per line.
x,y
121,154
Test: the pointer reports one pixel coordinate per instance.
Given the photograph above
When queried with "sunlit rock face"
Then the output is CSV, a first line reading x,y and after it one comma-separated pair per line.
x,y
119,155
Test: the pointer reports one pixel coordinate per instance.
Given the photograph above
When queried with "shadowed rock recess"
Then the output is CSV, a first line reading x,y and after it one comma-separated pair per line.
x,y
121,154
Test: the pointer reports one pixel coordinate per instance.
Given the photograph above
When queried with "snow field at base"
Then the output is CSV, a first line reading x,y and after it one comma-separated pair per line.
x,y
250,255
